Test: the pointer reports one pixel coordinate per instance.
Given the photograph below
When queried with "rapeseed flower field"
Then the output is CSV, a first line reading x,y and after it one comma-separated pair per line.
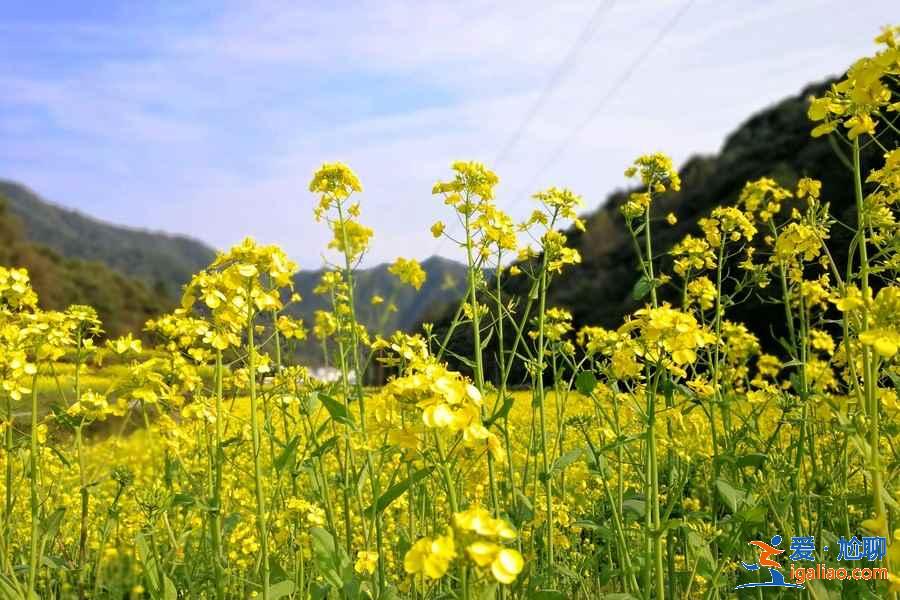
x,y
635,462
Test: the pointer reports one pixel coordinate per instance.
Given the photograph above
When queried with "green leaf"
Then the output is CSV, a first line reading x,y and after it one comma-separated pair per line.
x,y
488,592
143,551
586,382
817,590
149,564
321,430
642,287
310,404
230,522
350,590
522,510
319,591
281,589
636,506
487,338
795,382
324,447
463,359
326,556
183,499
232,441
50,525
565,460
64,418
589,525
276,571
389,593
395,491
752,460
755,515
322,542
700,549
338,411
169,591
501,412
54,563
546,595
62,457
287,455
733,497
9,590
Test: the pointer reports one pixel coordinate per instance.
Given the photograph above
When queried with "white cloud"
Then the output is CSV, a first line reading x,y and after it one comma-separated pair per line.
x,y
214,128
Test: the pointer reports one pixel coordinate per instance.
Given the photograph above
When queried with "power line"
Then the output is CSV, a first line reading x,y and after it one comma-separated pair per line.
x,y
560,149
559,73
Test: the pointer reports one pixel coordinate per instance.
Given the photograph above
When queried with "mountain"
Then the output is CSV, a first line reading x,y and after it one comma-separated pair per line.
x,y
164,262
131,275
445,283
775,142
123,303
443,287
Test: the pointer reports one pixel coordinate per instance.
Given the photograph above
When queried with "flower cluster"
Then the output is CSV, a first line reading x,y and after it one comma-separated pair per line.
x,y
862,95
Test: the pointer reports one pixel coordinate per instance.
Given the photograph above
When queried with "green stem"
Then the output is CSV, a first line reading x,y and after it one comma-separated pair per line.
x,y
479,359
216,516
454,505
34,474
354,336
868,366
257,465
654,499
539,390
111,516
7,513
648,248
85,496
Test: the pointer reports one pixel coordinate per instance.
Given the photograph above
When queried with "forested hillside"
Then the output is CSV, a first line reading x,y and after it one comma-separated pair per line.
x,y
164,262
776,143
71,256
122,302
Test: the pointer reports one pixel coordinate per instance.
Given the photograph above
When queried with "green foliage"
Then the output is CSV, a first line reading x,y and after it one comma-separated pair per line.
x,y
775,143
165,262
131,275
123,303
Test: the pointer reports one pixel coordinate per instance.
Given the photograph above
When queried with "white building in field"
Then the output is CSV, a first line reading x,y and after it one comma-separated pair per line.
x,y
329,374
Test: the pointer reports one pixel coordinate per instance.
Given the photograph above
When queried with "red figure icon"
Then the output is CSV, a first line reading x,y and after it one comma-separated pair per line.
x,y
765,560
767,552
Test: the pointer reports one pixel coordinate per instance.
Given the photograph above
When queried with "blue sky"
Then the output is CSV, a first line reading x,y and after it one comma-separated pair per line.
x,y
208,118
